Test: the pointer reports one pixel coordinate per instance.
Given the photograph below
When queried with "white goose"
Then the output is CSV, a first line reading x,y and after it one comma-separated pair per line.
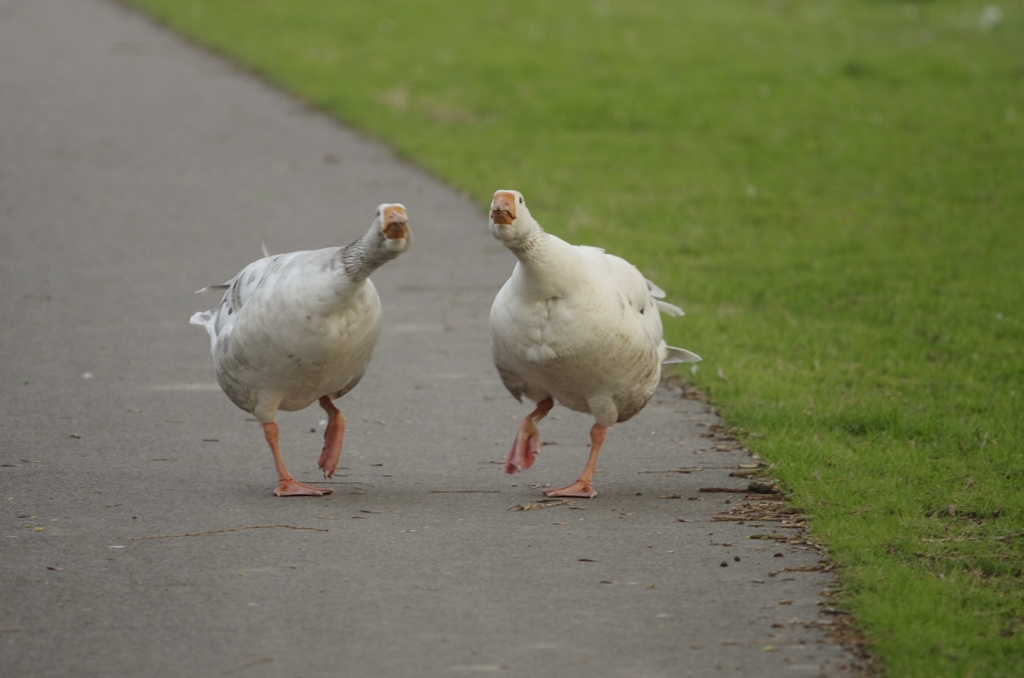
x,y
576,325
300,327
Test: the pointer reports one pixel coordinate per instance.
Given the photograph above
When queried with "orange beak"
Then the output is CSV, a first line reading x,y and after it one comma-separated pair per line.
x,y
396,223
503,208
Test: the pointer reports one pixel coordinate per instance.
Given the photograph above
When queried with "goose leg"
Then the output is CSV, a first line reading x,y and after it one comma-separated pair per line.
x,y
527,442
583,487
332,437
287,486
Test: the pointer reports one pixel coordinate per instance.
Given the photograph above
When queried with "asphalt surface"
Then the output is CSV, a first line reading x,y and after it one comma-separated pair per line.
x,y
138,534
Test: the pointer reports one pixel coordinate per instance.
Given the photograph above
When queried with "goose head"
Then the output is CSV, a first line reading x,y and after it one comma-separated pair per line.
x,y
394,224
509,217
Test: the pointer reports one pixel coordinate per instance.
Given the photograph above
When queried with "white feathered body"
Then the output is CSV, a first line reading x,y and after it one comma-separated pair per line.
x,y
582,326
290,329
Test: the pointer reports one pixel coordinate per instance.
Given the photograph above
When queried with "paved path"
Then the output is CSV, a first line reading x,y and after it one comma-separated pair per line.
x,y
134,169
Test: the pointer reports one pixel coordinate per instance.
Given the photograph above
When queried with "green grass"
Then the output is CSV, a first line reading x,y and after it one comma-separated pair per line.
x,y
833,190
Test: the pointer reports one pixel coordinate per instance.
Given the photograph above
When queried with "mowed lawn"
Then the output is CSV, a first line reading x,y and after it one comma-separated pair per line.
x,y
834,191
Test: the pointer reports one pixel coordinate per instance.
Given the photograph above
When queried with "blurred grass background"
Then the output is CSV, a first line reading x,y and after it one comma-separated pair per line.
x,y
834,192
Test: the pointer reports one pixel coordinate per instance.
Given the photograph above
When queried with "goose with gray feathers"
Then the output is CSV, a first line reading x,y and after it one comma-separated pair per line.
x,y
298,328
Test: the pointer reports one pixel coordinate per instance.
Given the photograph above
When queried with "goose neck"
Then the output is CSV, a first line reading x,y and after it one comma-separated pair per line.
x,y
531,247
362,257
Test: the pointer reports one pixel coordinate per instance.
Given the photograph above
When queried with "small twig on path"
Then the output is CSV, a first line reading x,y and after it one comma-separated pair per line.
x,y
543,503
820,567
755,487
465,491
229,529
691,469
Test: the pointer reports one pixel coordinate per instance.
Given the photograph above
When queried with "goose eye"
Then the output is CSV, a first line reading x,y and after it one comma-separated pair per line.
x,y
520,200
